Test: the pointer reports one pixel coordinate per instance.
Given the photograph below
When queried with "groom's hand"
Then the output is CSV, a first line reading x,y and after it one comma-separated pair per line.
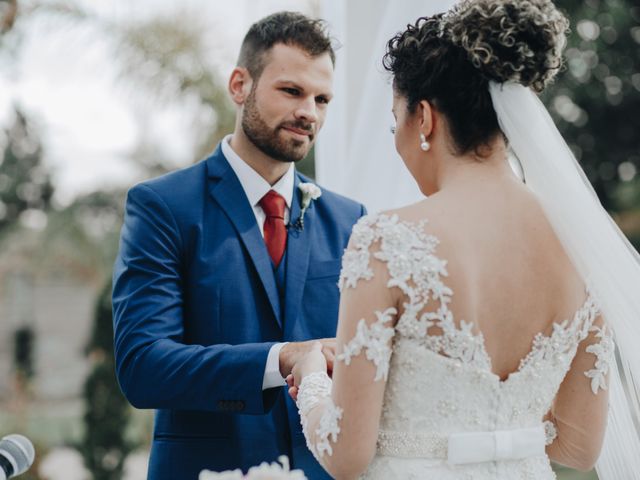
x,y
292,352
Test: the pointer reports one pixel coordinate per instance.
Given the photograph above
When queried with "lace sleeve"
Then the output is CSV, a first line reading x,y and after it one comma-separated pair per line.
x,y
357,258
579,413
315,395
340,418
603,350
375,340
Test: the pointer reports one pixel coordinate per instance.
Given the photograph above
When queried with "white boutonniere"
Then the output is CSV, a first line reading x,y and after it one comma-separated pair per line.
x,y
310,192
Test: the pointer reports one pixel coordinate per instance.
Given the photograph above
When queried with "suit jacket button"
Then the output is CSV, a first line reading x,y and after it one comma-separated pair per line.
x,y
222,405
239,406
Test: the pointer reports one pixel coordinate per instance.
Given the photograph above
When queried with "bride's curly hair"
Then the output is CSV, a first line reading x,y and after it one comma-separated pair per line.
x,y
448,59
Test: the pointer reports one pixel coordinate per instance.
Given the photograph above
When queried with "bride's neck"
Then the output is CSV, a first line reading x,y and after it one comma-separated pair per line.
x,y
470,172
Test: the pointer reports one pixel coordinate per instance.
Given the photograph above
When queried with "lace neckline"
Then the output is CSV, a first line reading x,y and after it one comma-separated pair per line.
x,y
563,333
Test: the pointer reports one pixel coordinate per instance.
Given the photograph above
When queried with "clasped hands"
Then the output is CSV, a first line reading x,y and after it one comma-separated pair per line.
x,y
299,359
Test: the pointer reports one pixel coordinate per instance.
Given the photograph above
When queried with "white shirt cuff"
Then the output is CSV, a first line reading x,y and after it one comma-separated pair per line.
x,y
272,377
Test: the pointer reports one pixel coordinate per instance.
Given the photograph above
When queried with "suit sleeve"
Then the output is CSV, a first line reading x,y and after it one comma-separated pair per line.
x,y
363,210
155,368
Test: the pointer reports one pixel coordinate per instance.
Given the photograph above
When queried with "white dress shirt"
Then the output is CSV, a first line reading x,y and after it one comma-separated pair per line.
x,y
255,187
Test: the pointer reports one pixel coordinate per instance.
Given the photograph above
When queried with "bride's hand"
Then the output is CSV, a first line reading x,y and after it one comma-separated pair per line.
x,y
293,390
314,361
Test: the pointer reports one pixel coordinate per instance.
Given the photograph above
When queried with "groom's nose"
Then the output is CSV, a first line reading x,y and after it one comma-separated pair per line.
x,y
307,110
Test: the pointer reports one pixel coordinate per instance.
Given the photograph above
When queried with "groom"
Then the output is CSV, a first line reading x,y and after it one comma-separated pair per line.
x,y
222,263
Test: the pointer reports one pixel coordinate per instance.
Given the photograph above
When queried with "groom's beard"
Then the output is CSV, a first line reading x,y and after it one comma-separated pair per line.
x,y
269,140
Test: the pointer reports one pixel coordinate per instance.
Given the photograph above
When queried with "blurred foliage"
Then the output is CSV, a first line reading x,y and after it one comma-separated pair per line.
x,y
100,344
596,99
25,185
166,58
75,244
105,446
170,59
96,219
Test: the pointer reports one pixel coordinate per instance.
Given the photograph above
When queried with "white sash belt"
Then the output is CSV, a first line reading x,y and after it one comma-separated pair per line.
x,y
499,445
464,448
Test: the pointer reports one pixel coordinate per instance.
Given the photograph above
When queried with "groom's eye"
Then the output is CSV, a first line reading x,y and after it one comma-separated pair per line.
x,y
291,91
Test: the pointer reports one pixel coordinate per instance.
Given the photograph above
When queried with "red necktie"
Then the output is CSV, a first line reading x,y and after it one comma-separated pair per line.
x,y
275,232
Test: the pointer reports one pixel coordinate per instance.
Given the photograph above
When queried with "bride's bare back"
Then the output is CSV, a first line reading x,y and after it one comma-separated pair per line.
x,y
510,275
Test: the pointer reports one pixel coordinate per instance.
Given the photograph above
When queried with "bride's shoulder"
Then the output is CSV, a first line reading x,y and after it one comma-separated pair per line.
x,y
381,243
414,224
429,214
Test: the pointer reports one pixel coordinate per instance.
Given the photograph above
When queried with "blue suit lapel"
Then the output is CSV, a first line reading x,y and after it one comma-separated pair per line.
x,y
298,248
229,194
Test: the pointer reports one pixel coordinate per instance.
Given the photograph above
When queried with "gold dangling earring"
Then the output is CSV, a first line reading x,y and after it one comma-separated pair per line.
x,y
424,145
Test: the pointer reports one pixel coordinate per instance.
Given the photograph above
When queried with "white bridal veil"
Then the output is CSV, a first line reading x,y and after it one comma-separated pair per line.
x,y
356,157
598,249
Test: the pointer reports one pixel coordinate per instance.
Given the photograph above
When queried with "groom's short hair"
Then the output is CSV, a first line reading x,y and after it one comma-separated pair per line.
x,y
289,28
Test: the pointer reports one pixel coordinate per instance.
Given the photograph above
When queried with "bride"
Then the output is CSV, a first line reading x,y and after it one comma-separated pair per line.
x,y
475,331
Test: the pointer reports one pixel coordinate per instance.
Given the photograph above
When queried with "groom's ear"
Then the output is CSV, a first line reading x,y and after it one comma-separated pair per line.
x,y
426,117
239,85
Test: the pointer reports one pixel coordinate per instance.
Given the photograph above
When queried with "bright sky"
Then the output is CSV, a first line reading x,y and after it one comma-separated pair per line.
x,y
66,81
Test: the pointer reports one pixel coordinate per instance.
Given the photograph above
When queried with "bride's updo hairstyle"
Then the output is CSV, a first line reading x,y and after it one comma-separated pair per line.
x,y
448,60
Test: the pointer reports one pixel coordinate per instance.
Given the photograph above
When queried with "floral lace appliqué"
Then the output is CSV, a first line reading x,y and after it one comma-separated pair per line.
x,y
604,352
375,340
560,345
328,430
355,262
409,254
314,389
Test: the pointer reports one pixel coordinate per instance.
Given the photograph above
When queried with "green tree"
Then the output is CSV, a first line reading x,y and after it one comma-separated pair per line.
x,y
596,99
24,182
107,412
170,60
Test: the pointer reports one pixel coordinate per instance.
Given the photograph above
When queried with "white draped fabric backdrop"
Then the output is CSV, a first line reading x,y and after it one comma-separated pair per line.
x,y
355,155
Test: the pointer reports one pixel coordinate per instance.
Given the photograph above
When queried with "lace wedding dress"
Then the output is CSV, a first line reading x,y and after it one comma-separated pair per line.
x,y
445,415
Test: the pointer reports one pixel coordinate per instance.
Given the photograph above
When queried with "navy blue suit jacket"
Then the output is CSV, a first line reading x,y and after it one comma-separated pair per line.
x,y
197,308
